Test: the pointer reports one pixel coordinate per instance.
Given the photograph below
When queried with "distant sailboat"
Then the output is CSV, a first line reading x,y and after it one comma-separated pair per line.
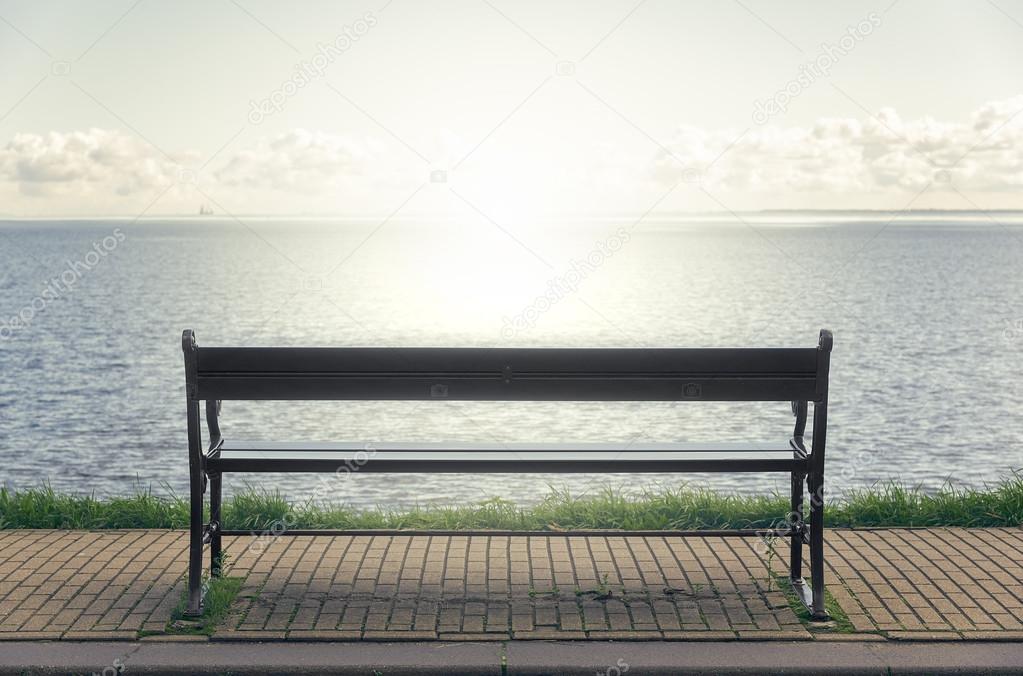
x,y
205,210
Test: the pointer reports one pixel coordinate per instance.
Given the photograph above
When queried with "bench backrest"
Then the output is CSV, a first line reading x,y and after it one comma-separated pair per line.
x,y
510,374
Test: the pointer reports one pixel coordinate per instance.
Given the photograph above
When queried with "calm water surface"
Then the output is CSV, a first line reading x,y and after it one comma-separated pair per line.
x,y
926,310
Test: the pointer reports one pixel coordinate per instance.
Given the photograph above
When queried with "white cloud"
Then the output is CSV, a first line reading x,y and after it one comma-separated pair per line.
x,y
848,155
94,161
114,172
302,161
847,162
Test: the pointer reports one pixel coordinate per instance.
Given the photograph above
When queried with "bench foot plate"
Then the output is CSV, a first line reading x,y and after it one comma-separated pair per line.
x,y
805,594
191,612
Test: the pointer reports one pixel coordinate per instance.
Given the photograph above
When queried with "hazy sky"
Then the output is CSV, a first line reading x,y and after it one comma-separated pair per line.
x,y
511,109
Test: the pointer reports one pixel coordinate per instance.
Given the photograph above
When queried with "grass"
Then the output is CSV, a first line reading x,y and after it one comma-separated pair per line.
x,y
684,507
220,593
839,622
601,592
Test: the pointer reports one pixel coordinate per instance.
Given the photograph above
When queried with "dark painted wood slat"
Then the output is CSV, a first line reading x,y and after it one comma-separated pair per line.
x,y
497,389
258,446
439,361
550,464
397,457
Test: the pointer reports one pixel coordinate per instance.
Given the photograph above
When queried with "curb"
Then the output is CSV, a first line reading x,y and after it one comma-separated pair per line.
x,y
512,658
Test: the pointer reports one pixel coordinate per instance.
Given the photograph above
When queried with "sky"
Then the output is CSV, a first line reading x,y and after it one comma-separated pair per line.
x,y
513,110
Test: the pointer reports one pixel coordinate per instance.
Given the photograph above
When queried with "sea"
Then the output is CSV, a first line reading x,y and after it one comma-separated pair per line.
x,y
926,310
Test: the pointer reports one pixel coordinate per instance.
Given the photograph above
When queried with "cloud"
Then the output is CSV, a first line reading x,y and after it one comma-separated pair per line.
x,y
84,162
867,162
301,161
111,171
298,160
848,155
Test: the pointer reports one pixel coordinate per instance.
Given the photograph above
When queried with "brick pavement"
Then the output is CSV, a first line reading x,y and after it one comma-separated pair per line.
x,y
944,583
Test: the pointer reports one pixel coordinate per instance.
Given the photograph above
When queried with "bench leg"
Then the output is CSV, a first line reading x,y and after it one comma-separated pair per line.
x,y
216,562
194,608
816,486
796,517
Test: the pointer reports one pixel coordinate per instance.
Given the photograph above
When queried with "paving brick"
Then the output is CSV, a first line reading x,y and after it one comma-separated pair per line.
x,y
398,635
174,638
30,635
315,635
775,635
550,635
248,636
849,638
923,635
993,635
100,636
699,635
912,584
625,635
470,637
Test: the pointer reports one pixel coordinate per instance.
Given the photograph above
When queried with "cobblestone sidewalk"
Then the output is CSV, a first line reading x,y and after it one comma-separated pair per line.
x,y
897,583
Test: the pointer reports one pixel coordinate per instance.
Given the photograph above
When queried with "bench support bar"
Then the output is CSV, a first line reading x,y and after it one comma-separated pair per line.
x,y
597,532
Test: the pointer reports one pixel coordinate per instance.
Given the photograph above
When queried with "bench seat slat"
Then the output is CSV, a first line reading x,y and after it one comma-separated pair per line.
x,y
507,374
250,446
241,456
476,360
676,387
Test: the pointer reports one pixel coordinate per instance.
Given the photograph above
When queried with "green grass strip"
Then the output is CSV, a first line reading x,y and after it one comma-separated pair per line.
x,y
684,507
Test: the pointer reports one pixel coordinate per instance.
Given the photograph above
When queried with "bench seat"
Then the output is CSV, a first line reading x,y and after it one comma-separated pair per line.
x,y
261,456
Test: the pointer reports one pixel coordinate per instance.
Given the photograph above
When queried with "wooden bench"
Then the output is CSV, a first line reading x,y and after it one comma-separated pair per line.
x,y
796,375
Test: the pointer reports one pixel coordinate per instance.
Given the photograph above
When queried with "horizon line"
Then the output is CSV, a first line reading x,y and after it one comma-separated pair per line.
x,y
434,216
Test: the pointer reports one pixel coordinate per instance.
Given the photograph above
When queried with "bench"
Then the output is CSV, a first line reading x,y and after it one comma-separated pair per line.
x,y
796,375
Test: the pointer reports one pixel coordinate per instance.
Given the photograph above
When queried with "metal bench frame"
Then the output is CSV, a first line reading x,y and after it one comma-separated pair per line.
x,y
797,375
